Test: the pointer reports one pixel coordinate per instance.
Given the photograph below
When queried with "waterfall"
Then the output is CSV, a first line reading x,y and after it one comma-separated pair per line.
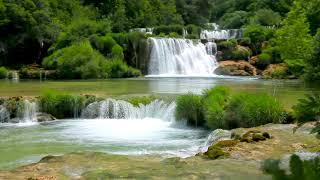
x,y
211,48
28,112
221,34
179,57
4,114
119,109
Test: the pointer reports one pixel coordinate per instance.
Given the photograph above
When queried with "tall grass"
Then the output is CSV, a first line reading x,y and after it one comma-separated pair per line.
x,y
189,108
61,105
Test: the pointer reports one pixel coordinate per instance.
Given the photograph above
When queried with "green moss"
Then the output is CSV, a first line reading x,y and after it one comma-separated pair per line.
x,y
226,143
216,153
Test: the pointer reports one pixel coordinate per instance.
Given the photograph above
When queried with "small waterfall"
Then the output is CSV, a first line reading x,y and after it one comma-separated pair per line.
x,y
119,109
143,30
220,34
4,114
179,57
214,137
211,48
15,76
28,111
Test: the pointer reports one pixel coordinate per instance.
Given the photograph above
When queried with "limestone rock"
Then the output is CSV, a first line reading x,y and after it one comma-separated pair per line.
x,y
233,68
43,117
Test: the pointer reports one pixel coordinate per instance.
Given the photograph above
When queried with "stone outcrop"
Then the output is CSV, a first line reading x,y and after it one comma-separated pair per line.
x,y
236,68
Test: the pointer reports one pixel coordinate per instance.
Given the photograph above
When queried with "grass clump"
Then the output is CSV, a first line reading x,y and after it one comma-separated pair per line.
x,y
251,110
214,102
3,72
119,69
61,105
216,108
190,108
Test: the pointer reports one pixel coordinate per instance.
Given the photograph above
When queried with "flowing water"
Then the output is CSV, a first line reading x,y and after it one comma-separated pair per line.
x,y
170,57
115,126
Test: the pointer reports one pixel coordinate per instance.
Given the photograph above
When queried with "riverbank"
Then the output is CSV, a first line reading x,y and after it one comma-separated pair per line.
x,y
243,163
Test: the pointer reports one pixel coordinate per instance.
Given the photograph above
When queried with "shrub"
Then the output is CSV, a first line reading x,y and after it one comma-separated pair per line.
x,y
251,110
3,73
119,69
278,71
308,109
136,101
169,29
240,53
214,102
189,108
228,45
78,61
264,60
174,35
61,105
302,170
117,52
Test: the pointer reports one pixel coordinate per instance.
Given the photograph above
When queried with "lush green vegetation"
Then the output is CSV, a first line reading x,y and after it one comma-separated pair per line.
x,y
299,169
216,108
307,110
138,100
3,72
63,105
190,108
277,30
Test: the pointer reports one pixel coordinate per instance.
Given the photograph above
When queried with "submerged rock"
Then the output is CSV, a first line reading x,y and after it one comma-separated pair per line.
x,y
233,68
43,117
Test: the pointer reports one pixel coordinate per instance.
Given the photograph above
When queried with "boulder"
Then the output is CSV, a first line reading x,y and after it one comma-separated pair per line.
x,y
278,71
43,117
253,60
254,136
233,68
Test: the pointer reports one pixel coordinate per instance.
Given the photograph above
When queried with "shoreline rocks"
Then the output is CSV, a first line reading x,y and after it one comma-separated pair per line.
x,y
236,68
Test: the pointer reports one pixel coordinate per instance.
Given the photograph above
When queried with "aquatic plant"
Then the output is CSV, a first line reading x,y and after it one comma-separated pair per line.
x,y
190,108
251,110
61,105
214,102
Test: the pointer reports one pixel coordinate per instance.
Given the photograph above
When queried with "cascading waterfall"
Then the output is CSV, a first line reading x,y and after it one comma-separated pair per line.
x,y
119,109
221,34
180,57
4,114
28,112
211,48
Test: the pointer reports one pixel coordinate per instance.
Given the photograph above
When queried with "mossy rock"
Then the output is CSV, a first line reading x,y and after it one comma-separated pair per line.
x,y
258,137
254,136
216,152
226,143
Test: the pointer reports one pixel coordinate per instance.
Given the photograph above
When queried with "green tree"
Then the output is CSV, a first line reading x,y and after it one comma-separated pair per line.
x,y
313,64
294,40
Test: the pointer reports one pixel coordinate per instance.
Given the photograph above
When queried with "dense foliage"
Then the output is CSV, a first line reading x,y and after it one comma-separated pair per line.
x,y
282,30
216,108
